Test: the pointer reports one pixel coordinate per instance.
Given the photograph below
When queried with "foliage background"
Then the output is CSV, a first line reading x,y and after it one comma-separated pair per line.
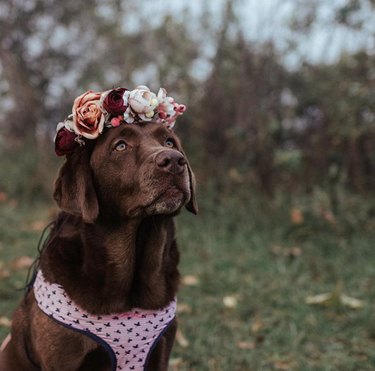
x,y
265,110
280,130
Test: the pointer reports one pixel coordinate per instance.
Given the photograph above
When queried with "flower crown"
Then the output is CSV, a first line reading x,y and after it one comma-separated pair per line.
x,y
94,111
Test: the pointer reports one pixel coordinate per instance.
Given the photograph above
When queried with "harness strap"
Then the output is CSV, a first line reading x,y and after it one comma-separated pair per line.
x,y
128,337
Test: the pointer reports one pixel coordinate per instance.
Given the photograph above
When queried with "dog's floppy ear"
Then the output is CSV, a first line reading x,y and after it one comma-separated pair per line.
x,y
192,205
74,189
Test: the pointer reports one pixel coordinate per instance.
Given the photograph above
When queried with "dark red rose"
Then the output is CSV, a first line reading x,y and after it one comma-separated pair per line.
x,y
64,142
114,102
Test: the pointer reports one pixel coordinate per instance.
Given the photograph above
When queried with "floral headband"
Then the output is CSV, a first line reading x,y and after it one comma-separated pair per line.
x,y
93,111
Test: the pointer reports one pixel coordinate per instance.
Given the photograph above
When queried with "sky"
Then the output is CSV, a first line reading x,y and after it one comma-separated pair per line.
x,y
260,20
263,20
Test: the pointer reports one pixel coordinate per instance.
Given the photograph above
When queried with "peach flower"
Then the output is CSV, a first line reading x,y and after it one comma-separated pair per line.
x,y
88,117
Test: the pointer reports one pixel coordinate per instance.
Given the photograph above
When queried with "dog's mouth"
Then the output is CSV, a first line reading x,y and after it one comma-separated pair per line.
x,y
170,193
169,201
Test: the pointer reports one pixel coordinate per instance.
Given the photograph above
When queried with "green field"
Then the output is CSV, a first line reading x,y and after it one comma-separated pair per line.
x,y
247,269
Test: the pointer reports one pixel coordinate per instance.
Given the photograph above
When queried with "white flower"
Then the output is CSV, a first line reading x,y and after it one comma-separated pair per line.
x,y
166,104
125,97
143,102
168,110
60,125
68,124
129,116
162,93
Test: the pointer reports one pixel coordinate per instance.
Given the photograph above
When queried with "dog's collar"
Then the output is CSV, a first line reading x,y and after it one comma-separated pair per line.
x,y
127,337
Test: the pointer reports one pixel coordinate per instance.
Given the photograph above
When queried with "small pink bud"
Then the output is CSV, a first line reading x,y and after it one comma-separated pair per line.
x,y
181,108
163,115
116,121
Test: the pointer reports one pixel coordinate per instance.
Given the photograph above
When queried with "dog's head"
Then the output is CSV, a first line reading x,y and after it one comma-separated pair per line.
x,y
129,171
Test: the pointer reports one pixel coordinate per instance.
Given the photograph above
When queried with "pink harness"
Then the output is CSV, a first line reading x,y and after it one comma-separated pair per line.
x,y
127,337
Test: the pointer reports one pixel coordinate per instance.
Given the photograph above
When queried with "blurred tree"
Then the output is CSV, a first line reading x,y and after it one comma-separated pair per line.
x,y
241,108
324,28
51,51
336,106
257,120
41,42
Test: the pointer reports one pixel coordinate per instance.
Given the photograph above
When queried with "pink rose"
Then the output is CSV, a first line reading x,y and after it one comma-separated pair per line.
x,y
65,142
114,102
88,118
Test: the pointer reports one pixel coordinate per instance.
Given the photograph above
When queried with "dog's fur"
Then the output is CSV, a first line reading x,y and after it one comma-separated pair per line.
x,y
112,247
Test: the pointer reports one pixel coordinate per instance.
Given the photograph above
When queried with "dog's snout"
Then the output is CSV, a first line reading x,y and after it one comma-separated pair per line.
x,y
171,162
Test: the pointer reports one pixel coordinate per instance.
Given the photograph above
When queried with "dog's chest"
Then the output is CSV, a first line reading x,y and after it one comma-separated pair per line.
x,y
127,337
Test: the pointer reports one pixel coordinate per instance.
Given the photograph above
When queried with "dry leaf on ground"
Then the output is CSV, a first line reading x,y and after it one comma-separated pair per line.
x,y
351,302
4,273
291,252
5,322
296,216
256,325
22,262
175,362
330,299
190,280
181,339
249,345
230,301
282,365
183,308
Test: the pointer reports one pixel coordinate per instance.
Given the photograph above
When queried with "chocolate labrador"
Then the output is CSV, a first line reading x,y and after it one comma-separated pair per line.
x,y
104,295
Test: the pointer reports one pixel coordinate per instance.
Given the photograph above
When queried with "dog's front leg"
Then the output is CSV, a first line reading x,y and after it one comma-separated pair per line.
x,y
8,360
160,355
61,354
58,348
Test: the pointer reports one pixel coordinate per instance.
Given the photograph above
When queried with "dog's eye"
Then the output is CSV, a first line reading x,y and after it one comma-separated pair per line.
x,y
169,142
121,146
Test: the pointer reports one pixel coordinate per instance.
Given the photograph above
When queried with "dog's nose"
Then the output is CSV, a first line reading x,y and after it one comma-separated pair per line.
x,y
171,162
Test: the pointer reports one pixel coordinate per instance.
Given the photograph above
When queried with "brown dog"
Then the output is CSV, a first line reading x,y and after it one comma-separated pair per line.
x,y
112,248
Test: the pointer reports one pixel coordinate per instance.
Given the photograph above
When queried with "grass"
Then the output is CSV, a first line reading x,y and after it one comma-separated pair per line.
x,y
267,264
